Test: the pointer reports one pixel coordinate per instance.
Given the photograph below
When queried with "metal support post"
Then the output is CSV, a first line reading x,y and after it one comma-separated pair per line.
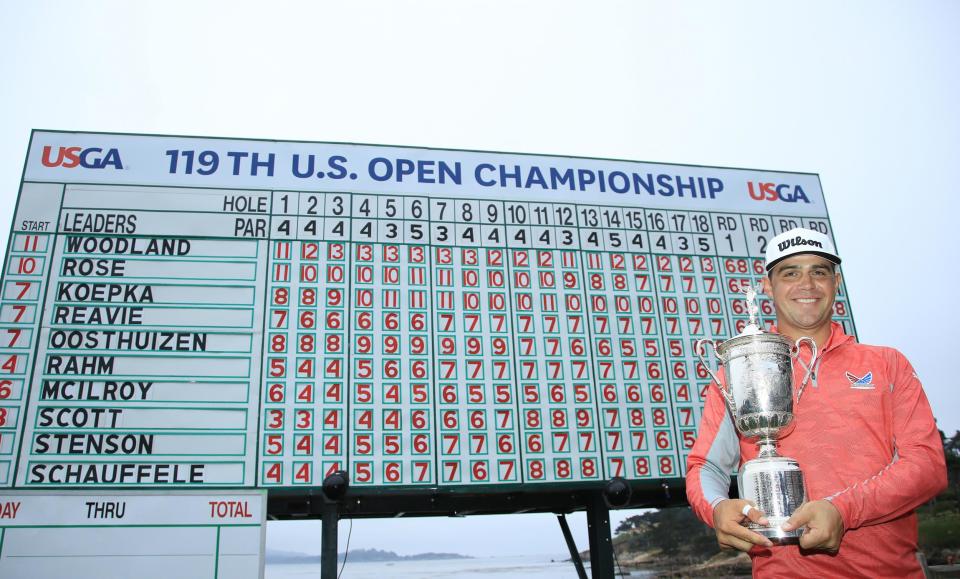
x,y
572,546
601,543
328,541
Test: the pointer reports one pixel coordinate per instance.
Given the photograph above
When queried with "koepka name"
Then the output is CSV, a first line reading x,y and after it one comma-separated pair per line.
x,y
104,292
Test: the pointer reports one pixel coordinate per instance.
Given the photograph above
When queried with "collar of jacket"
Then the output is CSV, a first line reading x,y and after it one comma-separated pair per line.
x,y
837,338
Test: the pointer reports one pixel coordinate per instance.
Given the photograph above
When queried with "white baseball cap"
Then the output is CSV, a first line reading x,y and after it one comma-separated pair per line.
x,y
799,240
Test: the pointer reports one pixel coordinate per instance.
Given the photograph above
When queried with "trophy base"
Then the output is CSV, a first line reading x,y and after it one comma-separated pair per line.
x,y
776,486
775,533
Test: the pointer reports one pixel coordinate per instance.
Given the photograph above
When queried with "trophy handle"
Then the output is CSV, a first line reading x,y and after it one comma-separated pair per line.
x,y
699,347
795,354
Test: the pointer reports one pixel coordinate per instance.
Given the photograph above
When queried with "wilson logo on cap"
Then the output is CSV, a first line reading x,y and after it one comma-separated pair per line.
x,y
797,242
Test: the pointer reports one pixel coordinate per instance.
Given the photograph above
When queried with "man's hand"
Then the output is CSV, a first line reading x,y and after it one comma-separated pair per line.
x,y
729,518
824,525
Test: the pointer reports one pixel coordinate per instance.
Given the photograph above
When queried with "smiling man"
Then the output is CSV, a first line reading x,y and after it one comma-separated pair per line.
x,y
865,439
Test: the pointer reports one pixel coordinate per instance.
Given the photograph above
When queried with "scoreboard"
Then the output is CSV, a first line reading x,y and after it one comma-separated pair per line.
x,y
184,312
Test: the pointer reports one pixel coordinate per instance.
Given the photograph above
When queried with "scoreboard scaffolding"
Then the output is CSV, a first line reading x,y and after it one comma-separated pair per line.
x,y
185,312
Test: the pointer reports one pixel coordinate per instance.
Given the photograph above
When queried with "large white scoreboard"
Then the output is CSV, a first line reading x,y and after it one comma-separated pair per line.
x,y
185,312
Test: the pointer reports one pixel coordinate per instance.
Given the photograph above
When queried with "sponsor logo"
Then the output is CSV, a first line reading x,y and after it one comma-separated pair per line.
x,y
864,382
761,191
798,242
91,158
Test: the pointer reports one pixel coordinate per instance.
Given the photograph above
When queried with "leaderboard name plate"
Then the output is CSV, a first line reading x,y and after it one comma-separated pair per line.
x,y
187,312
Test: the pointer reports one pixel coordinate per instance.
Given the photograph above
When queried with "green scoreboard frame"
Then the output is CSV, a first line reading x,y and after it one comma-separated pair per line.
x,y
455,330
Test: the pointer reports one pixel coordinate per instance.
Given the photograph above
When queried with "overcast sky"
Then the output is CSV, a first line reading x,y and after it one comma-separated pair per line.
x,y
864,93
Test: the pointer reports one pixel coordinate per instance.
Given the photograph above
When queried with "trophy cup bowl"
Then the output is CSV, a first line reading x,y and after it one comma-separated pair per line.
x,y
760,382
759,393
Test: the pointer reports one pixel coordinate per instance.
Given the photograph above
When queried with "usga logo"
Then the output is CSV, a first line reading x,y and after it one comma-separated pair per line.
x,y
92,158
772,192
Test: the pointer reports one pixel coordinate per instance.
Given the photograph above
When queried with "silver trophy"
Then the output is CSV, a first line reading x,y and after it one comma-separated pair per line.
x,y
759,392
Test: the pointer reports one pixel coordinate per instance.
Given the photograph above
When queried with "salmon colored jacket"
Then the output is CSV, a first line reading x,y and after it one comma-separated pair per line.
x,y
865,439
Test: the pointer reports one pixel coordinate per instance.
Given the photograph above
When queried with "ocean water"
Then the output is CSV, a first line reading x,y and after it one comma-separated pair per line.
x,y
525,567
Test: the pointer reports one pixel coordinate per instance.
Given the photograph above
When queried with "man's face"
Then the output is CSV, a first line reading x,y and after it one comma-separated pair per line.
x,y
803,288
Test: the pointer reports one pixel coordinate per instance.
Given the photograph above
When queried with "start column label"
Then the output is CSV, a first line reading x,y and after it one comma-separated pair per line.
x,y
25,280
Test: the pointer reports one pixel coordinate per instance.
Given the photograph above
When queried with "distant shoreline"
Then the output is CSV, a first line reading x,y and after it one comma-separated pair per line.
x,y
356,556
